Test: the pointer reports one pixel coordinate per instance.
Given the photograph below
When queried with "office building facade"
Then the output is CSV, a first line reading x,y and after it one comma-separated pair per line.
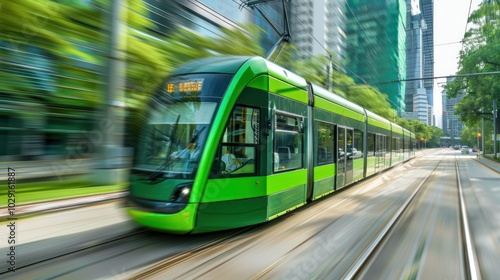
x,y
419,54
317,28
452,126
376,44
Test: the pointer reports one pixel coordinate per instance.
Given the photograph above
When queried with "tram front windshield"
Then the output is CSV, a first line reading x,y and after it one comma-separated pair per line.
x,y
180,117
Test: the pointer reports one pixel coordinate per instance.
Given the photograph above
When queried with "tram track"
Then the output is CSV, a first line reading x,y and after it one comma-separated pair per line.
x,y
123,238
336,237
471,260
227,254
186,256
217,254
359,268
224,254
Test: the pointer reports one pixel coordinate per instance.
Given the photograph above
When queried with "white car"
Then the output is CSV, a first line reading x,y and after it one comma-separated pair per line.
x,y
465,149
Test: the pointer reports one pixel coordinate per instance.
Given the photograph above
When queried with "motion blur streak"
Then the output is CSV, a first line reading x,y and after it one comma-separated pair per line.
x,y
54,69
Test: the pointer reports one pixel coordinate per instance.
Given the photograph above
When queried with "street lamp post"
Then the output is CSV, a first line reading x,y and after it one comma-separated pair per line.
x,y
478,137
422,143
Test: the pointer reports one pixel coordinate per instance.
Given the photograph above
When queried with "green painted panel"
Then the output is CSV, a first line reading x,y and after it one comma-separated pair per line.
x,y
286,90
326,116
335,98
285,75
283,181
332,112
328,106
260,82
141,188
323,187
182,222
376,129
246,73
234,188
222,215
355,115
324,171
287,200
378,122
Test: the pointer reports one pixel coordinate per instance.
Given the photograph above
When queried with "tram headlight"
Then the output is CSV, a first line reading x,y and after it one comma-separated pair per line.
x,y
181,193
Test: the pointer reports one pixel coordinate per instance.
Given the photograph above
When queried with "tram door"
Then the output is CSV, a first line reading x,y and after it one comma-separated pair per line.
x,y
349,158
344,156
380,152
340,158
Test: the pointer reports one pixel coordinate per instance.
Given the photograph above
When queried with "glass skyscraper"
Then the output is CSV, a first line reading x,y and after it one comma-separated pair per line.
x,y
318,26
376,44
419,60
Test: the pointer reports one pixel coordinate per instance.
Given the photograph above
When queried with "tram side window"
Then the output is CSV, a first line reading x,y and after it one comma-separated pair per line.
x,y
357,151
237,150
371,145
325,143
288,143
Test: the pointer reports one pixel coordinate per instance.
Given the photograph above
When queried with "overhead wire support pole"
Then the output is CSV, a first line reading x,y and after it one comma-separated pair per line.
x,y
482,134
110,171
329,73
495,117
284,35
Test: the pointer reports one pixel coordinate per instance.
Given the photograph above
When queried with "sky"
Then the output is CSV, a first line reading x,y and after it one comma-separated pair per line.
x,y
450,19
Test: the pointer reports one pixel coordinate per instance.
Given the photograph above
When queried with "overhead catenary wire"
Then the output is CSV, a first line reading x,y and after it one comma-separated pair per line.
x,y
242,4
466,23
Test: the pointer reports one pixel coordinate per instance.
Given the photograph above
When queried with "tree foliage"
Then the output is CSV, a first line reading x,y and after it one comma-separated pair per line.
x,y
147,69
366,96
470,137
480,54
436,133
70,40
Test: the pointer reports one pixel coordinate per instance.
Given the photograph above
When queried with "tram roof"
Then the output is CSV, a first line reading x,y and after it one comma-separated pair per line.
x,y
231,65
322,92
214,64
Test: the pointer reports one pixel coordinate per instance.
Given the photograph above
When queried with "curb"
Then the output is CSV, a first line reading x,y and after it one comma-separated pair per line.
x,y
489,163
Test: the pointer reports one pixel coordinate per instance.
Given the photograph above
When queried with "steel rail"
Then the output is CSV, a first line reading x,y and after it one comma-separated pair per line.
x,y
371,249
72,250
470,252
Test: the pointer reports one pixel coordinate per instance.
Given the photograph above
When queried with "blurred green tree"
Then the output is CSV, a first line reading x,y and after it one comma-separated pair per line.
x,y
145,70
435,136
480,54
366,96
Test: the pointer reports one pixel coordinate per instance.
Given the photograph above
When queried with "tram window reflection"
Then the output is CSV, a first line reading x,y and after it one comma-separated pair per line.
x,y
237,150
288,143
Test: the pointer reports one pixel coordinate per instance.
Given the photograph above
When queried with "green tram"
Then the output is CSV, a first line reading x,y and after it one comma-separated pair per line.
x,y
235,141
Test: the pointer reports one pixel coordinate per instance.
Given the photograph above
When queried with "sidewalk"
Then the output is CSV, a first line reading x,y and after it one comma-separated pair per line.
x,y
494,165
47,185
61,204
